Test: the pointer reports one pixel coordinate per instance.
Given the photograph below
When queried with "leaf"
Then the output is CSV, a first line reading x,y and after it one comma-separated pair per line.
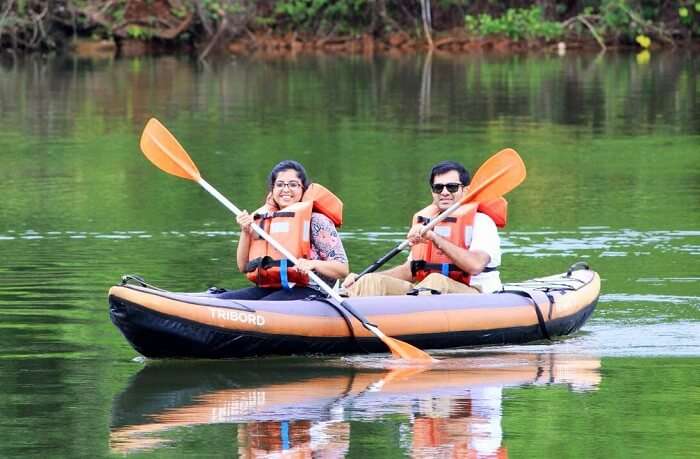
x,y
643,41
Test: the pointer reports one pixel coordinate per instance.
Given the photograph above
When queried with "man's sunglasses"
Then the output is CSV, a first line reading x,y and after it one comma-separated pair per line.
x,y
451,187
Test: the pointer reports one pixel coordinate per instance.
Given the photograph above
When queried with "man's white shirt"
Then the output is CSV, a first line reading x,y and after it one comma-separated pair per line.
x,y
485,238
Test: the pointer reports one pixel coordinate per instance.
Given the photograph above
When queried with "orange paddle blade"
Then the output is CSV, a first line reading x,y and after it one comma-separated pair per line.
x,y
397,347
497,176
163,150
403,350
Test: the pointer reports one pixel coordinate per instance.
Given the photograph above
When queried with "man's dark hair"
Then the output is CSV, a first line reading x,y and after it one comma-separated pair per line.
x,y
284,166
444,167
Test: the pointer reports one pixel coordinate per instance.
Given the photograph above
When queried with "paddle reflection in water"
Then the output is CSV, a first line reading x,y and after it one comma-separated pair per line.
x,y
292,409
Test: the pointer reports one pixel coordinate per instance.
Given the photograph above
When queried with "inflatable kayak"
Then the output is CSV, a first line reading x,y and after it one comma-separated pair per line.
x,y
161,324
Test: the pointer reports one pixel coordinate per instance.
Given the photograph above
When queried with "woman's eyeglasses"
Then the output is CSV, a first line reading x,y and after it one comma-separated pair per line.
x,y
451,187
293,185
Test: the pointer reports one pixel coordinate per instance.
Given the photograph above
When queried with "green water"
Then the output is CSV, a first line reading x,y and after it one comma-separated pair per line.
x,y
612,148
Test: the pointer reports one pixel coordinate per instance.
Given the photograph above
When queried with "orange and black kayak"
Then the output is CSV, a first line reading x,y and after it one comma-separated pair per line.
x,y
162,324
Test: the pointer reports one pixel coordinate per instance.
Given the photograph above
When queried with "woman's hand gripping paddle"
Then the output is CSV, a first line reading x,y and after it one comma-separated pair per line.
x,y
163,150
497,176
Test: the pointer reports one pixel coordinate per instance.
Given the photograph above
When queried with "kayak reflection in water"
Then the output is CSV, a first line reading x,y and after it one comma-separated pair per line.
x,y
292,410
303,217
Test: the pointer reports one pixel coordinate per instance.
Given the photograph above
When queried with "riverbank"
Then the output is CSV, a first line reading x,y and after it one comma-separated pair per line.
x,y
453,42
137,27
269,45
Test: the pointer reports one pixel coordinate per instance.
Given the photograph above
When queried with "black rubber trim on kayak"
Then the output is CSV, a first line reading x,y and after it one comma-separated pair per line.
x,y
538,311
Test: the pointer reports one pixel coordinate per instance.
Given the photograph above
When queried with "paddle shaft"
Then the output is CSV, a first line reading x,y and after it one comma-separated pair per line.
x,y
326,288
430,225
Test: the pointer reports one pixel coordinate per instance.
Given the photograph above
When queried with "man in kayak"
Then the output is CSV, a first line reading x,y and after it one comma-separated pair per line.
x,y
302,216
459,255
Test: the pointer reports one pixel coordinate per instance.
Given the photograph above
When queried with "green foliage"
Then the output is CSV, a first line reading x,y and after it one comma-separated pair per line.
x,y
264,21
689,16
615,17
179,12
516,24
137,32
118,13
214,8
302,14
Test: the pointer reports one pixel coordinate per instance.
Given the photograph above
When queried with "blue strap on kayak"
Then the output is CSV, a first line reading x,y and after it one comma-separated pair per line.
x,y
445,269
284,433
283,274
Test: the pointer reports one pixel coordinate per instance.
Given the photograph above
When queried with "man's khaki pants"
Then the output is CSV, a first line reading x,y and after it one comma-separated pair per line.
x,y
374,284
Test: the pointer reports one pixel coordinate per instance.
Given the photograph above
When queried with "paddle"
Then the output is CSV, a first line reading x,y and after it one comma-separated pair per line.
x,y
163,150
497,176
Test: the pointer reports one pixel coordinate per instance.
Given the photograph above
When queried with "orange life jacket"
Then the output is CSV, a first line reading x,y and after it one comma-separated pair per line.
x,y
457,228
291,227
497,209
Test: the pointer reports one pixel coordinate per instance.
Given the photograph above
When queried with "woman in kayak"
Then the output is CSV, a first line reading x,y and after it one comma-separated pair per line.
x,y
302,216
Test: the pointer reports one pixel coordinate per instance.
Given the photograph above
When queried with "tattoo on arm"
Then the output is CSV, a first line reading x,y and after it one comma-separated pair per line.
x,y
325,240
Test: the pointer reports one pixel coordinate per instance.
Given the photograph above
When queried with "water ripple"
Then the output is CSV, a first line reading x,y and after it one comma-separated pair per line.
x,y
624,297
609,242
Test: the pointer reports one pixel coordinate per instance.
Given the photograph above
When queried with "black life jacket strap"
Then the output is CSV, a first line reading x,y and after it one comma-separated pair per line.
x,y
422,265
268,215
265,262
426,220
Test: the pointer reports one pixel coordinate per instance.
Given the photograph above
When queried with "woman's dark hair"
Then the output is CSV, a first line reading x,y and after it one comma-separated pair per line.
x,y
285,165
444,167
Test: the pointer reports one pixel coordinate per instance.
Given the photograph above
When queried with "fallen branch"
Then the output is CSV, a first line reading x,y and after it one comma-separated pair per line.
x,y
222,26
585,21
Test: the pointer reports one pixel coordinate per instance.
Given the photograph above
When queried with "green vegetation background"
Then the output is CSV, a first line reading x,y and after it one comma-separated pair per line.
x,y
49,24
